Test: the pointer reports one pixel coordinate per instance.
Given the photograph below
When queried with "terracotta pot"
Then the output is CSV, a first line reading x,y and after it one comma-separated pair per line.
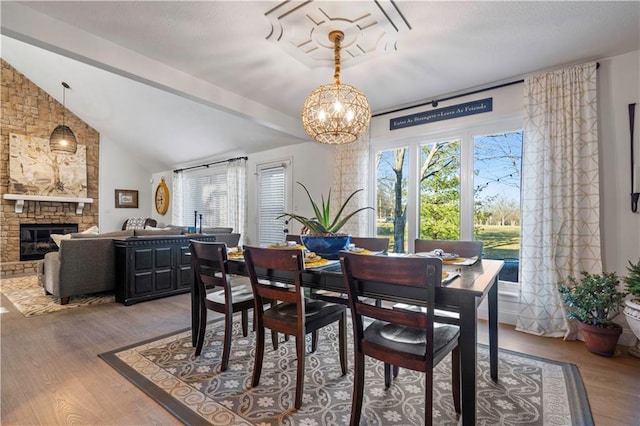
x,y
600,340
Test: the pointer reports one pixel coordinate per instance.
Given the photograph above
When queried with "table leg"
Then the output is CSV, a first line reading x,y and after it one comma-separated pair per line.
x,y
468,358
195,307
493,329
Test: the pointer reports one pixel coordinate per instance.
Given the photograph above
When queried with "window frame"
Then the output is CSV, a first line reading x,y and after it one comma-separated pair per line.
x,y
465,133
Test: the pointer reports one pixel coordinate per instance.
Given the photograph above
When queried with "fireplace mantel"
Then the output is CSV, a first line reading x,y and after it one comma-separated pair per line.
x,y
21,198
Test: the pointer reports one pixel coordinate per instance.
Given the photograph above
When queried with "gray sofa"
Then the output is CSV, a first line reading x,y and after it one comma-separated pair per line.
x,y
85,263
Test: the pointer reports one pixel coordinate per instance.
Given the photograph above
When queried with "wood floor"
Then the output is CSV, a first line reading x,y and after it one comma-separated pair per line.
x,y
51,374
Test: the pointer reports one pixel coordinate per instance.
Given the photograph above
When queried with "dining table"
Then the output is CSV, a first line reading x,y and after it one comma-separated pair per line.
x,y
468,286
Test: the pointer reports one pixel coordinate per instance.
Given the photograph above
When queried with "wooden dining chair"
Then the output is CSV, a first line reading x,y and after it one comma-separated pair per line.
x,y
295,315
293,237
463,248
209,263
407,339
371,243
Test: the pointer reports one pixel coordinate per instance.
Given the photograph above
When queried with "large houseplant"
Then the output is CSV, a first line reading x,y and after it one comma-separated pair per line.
x,y
321,233
594,300
632,308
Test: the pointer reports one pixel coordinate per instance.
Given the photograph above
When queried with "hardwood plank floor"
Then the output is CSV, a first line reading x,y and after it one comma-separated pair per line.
x,y
51,374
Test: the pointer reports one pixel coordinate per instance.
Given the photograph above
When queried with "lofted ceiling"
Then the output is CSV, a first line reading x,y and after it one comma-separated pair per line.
x,y
176,82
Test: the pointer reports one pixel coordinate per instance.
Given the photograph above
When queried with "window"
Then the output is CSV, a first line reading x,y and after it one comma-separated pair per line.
x,y
462,186
205,192
273,200
497,164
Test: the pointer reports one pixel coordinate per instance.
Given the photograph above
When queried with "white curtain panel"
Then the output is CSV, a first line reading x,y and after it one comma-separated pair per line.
x,y
560,194
351,174
176,199
237,196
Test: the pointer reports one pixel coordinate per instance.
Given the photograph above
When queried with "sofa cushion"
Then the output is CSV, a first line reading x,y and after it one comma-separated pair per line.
x,y
217,230
114,234
89,233
154,232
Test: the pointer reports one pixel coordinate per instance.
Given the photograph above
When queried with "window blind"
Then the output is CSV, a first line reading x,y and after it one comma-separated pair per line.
x,y
205,191
272,202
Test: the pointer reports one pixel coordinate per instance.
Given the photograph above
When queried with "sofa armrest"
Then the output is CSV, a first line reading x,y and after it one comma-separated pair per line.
x,y
51,273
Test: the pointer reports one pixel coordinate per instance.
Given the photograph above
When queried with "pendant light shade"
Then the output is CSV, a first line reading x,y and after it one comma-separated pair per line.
x,y
336,113
62,139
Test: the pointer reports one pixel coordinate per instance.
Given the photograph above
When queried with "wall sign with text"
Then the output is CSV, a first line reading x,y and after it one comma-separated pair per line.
x,y
455,111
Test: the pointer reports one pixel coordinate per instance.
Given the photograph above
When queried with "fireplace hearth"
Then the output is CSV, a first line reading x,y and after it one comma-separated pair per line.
x,y
35,239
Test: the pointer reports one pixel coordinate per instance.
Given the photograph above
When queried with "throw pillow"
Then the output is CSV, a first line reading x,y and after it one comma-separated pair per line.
x,y
59,237
92,230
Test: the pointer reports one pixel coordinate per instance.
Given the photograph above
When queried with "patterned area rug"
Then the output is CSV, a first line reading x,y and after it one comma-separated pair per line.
x,y
530,390
29,298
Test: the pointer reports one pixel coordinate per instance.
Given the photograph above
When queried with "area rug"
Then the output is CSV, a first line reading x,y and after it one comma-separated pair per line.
x,y
530,390
26,294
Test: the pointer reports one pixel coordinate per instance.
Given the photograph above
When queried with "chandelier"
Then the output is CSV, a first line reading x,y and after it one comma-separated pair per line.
x,y
62,139
336,113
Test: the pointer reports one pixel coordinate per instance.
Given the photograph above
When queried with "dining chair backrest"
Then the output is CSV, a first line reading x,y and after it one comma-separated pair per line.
x,y
463,248
371,243
424,273
293,237
231,240
209,263
290,261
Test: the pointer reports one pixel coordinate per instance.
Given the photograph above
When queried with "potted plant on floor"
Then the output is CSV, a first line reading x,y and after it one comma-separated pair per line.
x,y
321,232
594,300
632,308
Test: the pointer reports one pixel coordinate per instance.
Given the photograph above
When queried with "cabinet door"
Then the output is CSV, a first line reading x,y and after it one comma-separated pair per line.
x,y
162,269
183,269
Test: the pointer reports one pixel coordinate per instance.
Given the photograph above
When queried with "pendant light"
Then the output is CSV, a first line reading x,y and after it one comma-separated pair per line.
x,y
336,113
62,139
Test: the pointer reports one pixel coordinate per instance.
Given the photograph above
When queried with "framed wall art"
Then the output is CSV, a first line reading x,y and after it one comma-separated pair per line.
x,y
126,199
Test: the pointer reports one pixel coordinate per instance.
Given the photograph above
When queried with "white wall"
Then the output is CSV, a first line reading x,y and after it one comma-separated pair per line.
x,y
618,86
118,171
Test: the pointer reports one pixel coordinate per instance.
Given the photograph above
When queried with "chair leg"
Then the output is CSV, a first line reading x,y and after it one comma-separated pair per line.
x,y
314,341
387,375
300,352
226,346
257,359
428,398
202,326
274,340
245,323
342,343
396,370
358,389
455,378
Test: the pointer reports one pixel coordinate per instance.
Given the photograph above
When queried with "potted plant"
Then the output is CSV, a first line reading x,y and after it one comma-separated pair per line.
x,y
594,301
321,232
632,308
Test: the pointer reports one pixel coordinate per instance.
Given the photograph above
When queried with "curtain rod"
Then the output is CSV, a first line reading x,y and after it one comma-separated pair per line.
x,y
434,103
211,164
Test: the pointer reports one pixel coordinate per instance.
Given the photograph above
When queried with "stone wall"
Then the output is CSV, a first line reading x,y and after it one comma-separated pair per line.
x,y
28,110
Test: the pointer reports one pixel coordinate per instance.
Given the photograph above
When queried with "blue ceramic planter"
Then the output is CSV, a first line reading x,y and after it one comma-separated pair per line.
x,y
326,246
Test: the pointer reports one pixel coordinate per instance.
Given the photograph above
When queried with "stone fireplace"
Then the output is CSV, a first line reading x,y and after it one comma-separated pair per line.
x,y
28,110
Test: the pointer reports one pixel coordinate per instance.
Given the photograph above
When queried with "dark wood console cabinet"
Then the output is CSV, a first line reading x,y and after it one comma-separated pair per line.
x,y
152,267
